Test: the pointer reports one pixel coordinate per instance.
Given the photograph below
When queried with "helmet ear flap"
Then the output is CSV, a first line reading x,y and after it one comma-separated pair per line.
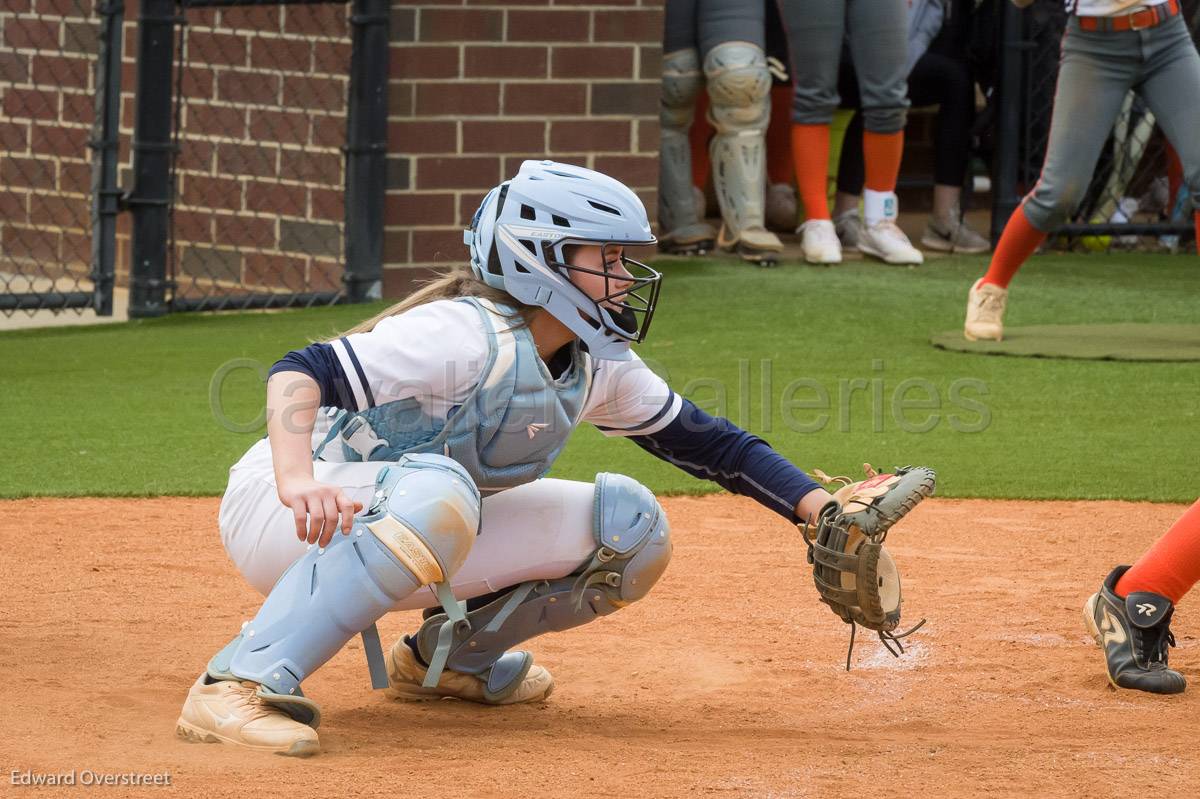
x,y
493,263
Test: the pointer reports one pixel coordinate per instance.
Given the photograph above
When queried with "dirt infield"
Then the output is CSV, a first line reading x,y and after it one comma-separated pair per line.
x,y
727,680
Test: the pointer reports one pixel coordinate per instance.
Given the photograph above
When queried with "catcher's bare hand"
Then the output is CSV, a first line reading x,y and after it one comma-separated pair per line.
x,y
319,509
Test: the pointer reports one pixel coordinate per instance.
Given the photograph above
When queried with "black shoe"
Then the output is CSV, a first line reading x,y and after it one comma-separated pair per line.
x,y
1134,633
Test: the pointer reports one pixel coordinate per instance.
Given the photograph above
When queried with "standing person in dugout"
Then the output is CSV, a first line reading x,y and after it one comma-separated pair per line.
x,y
718,45
440,416
1110,47
877,34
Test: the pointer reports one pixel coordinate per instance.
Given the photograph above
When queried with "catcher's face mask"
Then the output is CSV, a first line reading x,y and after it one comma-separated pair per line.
x,y
624,291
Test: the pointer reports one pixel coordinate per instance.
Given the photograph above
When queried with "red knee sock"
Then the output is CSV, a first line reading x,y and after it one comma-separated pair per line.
x,y
881,159
698,137
779,139
1017,243
1170,567
810,155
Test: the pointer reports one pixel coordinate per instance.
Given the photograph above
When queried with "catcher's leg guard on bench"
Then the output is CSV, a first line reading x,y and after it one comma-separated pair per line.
x,y
684,230
739,87
417,532
633,547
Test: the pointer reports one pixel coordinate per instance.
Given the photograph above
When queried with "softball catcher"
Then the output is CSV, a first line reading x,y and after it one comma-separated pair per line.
x,y
1110,48
440,417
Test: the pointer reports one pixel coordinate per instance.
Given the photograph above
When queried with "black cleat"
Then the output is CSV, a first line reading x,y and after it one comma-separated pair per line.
x,y
1134,633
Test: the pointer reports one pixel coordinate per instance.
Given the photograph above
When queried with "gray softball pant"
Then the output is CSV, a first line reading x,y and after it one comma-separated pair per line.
x,y
878,33
703,24
1097,70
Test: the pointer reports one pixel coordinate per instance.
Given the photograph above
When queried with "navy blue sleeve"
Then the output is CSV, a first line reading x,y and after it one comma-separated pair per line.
x,y
716,449
320,362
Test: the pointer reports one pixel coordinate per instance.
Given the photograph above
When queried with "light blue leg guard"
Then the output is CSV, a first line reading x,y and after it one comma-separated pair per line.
x,y
418,531
633,547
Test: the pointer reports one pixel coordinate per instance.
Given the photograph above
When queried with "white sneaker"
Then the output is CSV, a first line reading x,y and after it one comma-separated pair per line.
x,y
820,242
234,712
849,227
887,242
985,312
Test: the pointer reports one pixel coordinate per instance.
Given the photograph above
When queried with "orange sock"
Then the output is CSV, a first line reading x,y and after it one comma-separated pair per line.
x,y
810,156
1172,566
698,137
779,139
1017,243
881,159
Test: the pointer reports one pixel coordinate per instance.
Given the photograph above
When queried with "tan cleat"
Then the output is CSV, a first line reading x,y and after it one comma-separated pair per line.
x,y
985,312
405,675
227,711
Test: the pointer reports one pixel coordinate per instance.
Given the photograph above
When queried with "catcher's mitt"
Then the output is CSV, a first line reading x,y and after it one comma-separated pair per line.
x,y
854,574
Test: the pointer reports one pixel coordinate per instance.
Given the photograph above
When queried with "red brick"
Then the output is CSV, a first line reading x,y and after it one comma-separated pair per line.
x,y
396,244
196,17
458,99
632,25
23,242
504,62
280,271
410,209
632,170
592,62
75,178
589,135
285,127
285,54
216,49
327,94
59,141
456,25
309,167
14,206
14,137
504,137
81,37
193,226
60,8
457,173
468,203
400,98
76,251
14,68
328,131
325,275
205,192
545,99
36,34
411,61
82,108
332,58
649,136
215,120
650,62
60,71
243,230
422,136
328,204
319,20
33,173
239,86
266,19
438,246
198,84
283,199
31,104
523,2
56,210
248,159
544,25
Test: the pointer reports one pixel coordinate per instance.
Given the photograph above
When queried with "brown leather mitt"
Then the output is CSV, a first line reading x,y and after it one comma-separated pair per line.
x,y
853,572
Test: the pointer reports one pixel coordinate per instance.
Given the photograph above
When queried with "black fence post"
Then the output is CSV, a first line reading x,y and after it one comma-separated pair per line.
x,y
366,151
1009,111
149,197
106,192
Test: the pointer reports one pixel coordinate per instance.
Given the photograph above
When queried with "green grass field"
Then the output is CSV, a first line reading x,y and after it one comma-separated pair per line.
x,y
814,360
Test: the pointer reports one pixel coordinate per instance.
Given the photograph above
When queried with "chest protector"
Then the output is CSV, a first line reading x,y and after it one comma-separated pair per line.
x,y
508,430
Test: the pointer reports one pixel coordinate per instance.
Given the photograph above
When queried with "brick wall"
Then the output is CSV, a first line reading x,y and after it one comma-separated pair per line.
x,y
479,86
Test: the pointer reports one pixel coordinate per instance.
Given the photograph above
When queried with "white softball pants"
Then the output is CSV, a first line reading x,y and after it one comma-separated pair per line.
x,y
538,531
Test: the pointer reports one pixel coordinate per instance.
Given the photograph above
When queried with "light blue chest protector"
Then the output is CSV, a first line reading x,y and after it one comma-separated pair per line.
x,y
508,430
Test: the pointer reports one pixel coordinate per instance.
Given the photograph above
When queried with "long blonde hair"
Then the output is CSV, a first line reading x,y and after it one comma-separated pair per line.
x,y
457,282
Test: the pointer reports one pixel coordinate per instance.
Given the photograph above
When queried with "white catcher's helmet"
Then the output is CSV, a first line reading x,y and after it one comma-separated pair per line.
x,y
516,241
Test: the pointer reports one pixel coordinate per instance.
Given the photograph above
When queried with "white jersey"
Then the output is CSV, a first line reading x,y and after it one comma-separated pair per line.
x,y
1108,8
436,353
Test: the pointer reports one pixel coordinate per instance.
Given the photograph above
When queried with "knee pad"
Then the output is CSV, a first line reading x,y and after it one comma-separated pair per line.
x,y
739,88
418,530
681,81
633,548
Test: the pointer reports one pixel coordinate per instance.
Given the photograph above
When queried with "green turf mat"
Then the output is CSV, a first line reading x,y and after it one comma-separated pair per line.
x,y
1124,342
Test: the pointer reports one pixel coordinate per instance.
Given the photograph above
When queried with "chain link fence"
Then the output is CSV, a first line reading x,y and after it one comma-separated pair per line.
x,y
1136,198
259,172
58,61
